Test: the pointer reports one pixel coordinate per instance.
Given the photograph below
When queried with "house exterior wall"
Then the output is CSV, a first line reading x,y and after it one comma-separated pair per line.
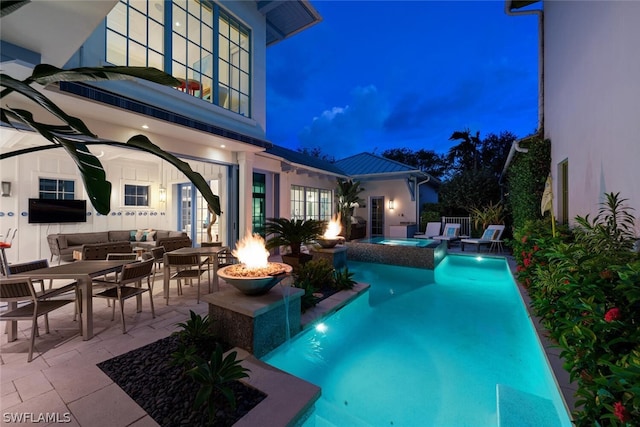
x,y
93,54
391,189
592,100
25,171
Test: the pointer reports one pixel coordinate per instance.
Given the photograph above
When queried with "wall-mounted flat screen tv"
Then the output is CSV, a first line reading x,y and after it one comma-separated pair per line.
x,y
45,211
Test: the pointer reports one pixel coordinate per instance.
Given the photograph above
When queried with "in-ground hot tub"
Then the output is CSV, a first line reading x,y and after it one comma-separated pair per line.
x,y
423,253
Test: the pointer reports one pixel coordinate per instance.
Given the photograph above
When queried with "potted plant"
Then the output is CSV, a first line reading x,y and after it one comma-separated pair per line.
x,y
292,233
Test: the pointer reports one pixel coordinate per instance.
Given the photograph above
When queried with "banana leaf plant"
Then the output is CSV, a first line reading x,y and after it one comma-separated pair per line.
x,y
75,137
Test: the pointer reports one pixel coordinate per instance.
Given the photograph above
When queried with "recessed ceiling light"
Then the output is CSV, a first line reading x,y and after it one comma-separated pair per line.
x,y
222,146
177,23
145,126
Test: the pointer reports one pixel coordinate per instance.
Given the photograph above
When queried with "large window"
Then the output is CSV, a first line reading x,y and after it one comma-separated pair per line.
x,y
209,49
258,202
310,203
135,34
57,189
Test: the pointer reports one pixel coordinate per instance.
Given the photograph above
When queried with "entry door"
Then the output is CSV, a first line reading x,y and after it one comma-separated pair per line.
x,y
194,217
376,217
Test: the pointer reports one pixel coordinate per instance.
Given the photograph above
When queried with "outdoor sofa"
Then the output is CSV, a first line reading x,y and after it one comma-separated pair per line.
x,y
100,243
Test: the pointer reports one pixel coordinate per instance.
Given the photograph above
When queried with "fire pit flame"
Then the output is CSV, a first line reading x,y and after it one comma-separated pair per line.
x,y
331,237
334,227
251,252
255,275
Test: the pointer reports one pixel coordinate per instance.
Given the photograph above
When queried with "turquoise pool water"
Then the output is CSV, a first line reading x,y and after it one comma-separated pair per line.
x,y
428,348
398,241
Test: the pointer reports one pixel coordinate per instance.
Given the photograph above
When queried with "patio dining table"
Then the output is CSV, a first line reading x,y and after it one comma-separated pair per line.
x,y
203,252
83,272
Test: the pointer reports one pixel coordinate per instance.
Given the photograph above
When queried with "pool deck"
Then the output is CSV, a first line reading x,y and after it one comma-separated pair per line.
x,y
65,378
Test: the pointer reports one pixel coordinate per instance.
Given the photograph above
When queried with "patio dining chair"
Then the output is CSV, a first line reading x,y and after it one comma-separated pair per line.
x,y
24,267
19,290
121,289
158,259
226,257
184,266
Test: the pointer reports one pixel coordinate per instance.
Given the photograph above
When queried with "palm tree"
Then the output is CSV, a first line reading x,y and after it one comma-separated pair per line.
x,y
292,233
347,193
464,156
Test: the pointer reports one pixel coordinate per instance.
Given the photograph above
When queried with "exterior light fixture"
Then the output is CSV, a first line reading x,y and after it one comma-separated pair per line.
x,y
162,194
6,188
391,205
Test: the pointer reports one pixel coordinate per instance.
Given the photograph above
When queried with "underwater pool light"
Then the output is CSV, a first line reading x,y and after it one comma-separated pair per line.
x,y
321,327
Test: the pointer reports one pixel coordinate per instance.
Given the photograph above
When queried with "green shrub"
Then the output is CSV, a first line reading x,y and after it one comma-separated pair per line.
x,y
315,273
525,181
197,331
343,280
214,377
585,288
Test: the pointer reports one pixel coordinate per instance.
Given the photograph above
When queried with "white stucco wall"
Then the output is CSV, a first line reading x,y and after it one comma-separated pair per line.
x,y
592,99
396,190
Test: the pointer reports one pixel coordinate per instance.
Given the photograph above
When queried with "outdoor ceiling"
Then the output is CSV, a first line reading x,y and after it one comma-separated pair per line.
x,y
54,29
286,18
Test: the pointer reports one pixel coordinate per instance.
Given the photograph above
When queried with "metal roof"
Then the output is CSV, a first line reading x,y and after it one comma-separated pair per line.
x,y
287,17
369,164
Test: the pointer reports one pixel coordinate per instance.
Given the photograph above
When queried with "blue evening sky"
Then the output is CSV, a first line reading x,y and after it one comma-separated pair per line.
x,y
375,75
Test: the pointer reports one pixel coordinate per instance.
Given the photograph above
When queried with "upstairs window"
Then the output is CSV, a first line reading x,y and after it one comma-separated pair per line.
x,y
209,50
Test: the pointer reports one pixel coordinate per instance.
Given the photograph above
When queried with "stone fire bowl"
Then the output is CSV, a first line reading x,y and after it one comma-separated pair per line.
x,y
254,285
329,243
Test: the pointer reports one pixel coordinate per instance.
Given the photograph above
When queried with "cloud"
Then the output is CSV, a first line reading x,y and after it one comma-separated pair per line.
x,y
339,130
498,90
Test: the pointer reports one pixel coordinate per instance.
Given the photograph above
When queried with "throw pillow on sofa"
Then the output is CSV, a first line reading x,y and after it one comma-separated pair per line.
x,y
145,235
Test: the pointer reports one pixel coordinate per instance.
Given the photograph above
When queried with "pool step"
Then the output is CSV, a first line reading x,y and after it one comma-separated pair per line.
x,y
517,408
331,415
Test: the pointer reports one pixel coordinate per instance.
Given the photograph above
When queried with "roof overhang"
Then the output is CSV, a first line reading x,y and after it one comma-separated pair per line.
x,y
53,29
519,4
286,18
390,175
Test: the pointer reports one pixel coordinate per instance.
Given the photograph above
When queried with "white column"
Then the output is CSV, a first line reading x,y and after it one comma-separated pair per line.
x,y
245,164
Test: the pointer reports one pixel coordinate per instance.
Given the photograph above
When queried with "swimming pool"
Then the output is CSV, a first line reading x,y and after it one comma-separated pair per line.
x,y
428,348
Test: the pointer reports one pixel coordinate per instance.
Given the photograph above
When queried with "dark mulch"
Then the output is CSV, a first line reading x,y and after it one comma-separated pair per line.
x,y
166,394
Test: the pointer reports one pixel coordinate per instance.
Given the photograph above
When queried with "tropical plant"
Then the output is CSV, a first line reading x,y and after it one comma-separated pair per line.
x,y
75,137
310,297
612,230
344,279
214,377
347,194
465,155
186,356
318,273
292,233
584,288
196,329
487,215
